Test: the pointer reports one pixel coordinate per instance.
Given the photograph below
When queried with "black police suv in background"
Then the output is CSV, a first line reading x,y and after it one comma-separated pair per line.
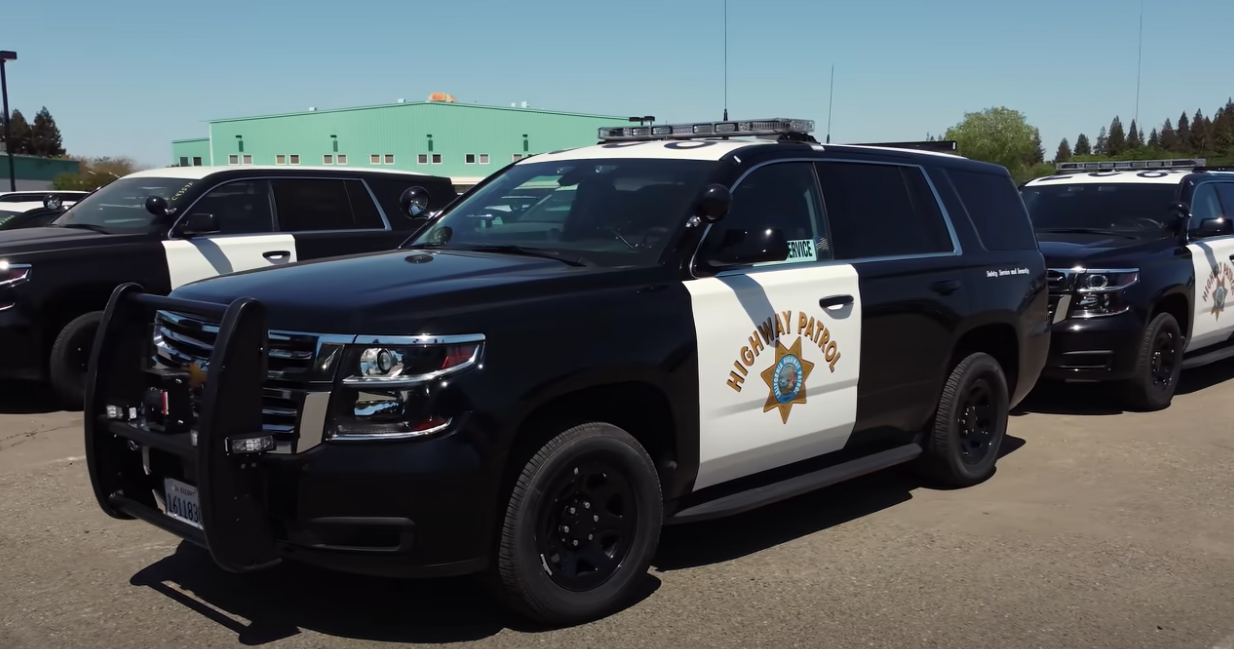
x,y
674,331
164,228
1141,257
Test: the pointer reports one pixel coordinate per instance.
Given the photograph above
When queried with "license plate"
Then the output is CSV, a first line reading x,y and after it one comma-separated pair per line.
x,y
181,501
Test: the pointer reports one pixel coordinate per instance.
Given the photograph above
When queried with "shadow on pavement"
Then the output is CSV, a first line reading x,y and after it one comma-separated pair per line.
x,y
1057,398
278,603
26,398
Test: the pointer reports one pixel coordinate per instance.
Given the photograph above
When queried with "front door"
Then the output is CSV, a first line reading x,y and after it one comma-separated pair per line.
x,y
1213,260
246,239
778,344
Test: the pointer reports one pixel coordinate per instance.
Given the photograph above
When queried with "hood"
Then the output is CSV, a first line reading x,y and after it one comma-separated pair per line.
x,y
1071,248
34,239
391,288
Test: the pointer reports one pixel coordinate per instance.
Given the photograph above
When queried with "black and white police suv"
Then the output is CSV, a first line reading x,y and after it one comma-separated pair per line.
x,y
1141,257
164,228
685,327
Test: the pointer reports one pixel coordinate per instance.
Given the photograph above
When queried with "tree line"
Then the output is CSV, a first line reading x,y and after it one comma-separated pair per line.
x,y
1211,138
42,138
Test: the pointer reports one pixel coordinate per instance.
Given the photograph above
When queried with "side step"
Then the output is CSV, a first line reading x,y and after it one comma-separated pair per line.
x,y
744,501
1209,357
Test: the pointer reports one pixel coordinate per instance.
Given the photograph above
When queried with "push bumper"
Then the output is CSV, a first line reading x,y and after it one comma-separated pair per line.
x,y
1095,349
400,509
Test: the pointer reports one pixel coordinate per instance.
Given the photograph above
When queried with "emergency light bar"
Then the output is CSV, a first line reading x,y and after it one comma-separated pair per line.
x,y
748,128
1119,165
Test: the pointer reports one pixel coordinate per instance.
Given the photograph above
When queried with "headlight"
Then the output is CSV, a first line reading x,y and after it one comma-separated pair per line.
x,y
1102,291
11,275
391,387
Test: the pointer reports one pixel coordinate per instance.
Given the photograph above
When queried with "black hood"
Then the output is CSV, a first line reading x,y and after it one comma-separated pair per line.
x,y
28,239
382,292
1071,248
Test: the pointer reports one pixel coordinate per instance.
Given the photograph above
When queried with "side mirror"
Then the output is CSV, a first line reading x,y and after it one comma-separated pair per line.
x,y
414,201
713,203
156,205
200,223
53,202
1217,227
750,247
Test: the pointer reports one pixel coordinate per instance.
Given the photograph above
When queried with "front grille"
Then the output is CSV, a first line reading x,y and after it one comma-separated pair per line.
x,y
180,341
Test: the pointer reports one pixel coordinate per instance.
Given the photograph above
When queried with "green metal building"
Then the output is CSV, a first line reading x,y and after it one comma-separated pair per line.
x,y
438,136
34,173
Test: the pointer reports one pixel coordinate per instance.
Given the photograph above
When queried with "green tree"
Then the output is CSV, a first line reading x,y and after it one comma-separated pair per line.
x,y
19,132
45,137
1169,137
1223,129
95,173
1183,134
1083,146
1200,127
1116,141
1064,152
1154,140
1134,141
1100,147
1038,149
998,135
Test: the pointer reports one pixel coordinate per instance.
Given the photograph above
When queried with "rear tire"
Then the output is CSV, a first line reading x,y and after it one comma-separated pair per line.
x,y
580,528
69,360
1157,366
970,424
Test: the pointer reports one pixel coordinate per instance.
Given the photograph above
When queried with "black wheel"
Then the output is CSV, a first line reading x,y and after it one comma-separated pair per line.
x,y
581,526
70,359
970,424
1158,364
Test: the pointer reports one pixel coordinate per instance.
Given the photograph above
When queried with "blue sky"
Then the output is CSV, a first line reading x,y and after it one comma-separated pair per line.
x,y
125,77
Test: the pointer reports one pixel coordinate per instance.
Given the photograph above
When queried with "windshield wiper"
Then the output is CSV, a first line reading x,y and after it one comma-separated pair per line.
x,y
84,226
529,252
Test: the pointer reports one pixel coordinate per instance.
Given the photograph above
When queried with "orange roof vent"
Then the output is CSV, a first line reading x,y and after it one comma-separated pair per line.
x,y
443,97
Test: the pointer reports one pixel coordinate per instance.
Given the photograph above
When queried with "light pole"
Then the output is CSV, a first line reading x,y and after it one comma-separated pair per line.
x,y
5,56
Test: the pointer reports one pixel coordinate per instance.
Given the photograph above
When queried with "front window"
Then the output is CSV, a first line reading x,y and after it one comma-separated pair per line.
x,y
120,206
1130,208
603,212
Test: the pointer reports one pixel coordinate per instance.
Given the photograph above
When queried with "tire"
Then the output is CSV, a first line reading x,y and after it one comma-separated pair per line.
x,y
970,424
1148,390
531,572
69,359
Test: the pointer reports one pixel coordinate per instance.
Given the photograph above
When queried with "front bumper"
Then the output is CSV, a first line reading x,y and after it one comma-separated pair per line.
x,y
412,508
23,346
1095,349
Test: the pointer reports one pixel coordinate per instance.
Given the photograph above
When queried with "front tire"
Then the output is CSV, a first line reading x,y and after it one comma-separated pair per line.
x,y
1158,364
580,528
69,360
970,424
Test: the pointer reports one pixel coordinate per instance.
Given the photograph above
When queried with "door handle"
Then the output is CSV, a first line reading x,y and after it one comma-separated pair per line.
x,y
276,255
945,287
835,300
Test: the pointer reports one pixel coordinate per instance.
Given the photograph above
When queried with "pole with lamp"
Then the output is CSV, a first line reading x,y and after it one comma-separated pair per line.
x,y
6,56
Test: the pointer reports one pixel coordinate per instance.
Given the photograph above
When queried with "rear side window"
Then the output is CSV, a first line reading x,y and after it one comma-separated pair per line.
x,y
881,210
996,209
309,204
364,212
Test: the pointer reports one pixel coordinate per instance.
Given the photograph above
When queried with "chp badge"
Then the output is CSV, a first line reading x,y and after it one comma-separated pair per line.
x,y
788,371
1216,289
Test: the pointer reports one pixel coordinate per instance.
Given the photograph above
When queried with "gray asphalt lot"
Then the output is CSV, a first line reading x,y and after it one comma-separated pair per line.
x,y
1100,529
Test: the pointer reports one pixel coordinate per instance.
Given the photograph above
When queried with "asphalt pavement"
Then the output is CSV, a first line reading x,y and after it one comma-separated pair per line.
x,y
1100,529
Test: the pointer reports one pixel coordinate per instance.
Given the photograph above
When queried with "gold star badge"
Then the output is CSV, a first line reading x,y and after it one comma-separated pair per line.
x,y
197,375
786,379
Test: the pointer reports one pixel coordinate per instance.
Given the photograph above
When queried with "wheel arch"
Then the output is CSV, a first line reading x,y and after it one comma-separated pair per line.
x,y
996,336
1177,302
66,305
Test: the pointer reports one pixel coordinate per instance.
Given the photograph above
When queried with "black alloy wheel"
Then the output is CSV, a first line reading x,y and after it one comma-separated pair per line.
x,y
1164,358
976,421
588,524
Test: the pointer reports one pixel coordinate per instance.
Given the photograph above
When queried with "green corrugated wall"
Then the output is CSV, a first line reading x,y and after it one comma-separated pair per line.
x,y
403,131
195,152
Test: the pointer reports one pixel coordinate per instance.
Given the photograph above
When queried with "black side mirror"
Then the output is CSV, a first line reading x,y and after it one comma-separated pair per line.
x,y
200,223
1217,227
750,247
156,205
713,203
414,201
52,202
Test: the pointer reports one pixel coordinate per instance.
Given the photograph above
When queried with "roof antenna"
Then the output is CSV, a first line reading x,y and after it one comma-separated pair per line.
x,y
830,99
1139,63
726,60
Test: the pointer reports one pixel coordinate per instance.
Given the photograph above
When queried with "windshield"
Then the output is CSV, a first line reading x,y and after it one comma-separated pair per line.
x,y
597,212
1122,207
120,206
6,215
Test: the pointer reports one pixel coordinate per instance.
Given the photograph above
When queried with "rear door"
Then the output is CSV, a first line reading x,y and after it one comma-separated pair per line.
x,y
1213,260
886,221
246,239
331,217
779,343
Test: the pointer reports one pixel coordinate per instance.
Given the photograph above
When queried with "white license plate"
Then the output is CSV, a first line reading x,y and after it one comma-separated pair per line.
x,y
181,502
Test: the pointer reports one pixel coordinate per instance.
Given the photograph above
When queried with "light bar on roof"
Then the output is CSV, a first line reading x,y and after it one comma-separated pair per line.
x,y
746,128
1120,165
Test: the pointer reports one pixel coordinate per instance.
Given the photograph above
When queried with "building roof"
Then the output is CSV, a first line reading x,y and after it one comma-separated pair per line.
x,y
417,103
198,173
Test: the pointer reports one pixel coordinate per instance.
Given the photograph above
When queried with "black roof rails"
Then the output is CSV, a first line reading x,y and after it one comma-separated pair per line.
x,y
1203,168
940,146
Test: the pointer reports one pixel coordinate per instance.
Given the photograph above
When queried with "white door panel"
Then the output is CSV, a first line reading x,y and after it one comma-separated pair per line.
x,y
190,260
1214,281
777,372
